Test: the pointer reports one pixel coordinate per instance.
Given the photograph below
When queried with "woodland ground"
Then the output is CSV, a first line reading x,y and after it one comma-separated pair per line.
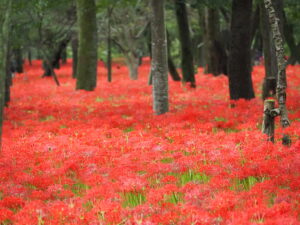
x,y
102,157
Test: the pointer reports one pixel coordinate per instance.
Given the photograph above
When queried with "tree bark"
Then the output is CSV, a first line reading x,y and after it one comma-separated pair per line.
x,y
108,61
74,45
132,62
4,41
281,63
213,51
270,61
268,125
87,52
187,61
171,66
239,66
18,59
159,64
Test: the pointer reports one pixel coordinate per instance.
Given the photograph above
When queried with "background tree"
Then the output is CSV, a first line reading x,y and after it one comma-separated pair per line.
x,y
270,60
87,52
129,21
159,64
187,60
239,67
4,43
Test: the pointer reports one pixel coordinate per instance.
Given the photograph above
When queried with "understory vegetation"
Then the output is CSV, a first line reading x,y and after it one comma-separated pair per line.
x,y
102,157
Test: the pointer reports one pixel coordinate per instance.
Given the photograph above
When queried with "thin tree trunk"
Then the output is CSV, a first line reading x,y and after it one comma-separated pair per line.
x,y
171,66
240,81
187,61
269,84
49,66
281,63
159,63
132,62
87,52
18,59
29,56
4,40
64,55
108,64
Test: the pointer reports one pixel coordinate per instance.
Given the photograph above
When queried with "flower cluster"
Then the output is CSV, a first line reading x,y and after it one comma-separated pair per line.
x,y
103,157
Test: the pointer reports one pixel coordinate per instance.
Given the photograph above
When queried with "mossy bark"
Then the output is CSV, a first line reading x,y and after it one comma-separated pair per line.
x,y
87,52
159,63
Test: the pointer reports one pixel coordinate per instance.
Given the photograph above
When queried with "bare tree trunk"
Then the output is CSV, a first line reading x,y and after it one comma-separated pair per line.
x,y
87,52
187,60
269,84
4,41
108,61
281,63
239,66
159,64
132,62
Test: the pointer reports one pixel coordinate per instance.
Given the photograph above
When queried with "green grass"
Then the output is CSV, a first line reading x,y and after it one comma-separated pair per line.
x,y
132,199
79,189
247,183
192,176
128,129
174,198
47,118
167,160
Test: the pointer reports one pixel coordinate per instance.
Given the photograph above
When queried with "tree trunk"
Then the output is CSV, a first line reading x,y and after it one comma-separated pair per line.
x,y
8,77
18,59
171,66
281,63
29,56
64,54
240,81
87,52
268,125
74,45
159,64
4,41
108,63
269,84
187,61
132,62
212,48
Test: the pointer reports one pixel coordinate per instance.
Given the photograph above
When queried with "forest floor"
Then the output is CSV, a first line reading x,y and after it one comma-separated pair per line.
x,y
102,157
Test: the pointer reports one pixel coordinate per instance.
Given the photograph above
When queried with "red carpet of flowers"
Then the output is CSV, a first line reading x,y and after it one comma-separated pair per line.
x,y
102,157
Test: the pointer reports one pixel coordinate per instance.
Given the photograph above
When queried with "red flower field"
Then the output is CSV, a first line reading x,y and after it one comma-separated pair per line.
x,y
102,157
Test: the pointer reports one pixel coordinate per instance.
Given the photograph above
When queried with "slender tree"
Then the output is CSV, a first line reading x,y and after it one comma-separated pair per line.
x,y
187,61
87,52
239,66
215,56
108,60
281,62
159,63
4,40
270,61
